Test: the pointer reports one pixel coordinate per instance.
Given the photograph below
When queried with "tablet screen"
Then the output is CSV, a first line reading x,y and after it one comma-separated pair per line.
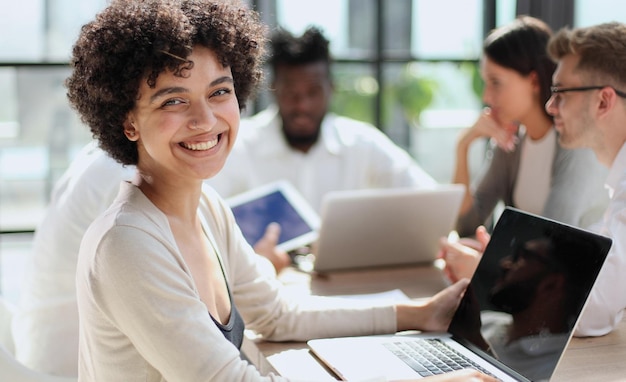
x,y
275,203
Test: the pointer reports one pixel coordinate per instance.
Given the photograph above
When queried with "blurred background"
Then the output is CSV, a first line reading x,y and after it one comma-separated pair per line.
x,y
410,67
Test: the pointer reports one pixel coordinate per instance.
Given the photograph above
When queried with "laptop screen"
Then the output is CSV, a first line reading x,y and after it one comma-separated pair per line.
x,y
528,292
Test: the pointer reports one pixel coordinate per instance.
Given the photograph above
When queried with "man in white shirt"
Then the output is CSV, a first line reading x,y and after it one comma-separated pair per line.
x,y
299,140
45,326
589,107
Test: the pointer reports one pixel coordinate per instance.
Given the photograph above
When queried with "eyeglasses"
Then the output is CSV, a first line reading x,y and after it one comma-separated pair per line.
x,y
555,90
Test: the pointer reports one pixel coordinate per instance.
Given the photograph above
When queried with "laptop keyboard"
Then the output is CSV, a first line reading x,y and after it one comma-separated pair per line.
x,y
431,357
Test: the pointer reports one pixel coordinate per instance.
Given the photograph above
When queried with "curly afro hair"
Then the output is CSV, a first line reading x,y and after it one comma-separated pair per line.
x,y
288,49
136,40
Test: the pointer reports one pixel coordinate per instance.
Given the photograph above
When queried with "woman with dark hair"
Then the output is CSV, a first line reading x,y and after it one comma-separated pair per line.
x,y
526,168
165,280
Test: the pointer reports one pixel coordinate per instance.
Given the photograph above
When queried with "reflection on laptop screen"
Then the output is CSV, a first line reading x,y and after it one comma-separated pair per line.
x,y
528,292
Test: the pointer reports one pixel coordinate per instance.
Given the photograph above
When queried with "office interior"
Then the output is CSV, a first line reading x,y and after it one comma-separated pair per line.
x,y
410,67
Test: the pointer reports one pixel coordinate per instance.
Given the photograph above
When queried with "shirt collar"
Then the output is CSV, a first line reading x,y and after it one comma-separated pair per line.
x,y
330,136
618,168
274,141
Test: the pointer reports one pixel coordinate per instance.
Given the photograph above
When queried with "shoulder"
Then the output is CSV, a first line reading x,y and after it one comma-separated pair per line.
x,y
92,175
263,127
350,131
349,125
581,159
259,123
133,210
127,234
94,163
580,154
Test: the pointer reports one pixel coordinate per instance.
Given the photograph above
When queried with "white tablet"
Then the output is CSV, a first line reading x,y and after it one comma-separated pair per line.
x,y
276,202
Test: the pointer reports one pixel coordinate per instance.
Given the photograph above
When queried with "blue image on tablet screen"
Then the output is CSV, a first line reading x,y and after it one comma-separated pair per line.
x,y
254,216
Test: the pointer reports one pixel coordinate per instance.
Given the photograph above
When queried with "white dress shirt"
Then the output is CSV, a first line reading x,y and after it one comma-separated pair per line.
x,y
607,301
348,155
45,328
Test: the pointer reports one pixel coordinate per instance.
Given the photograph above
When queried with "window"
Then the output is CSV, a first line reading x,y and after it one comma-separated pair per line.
x,y
590,12
39,135
406,66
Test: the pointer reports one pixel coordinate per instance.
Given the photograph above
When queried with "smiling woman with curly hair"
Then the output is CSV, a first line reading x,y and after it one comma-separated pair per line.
x,y
165,280
116,51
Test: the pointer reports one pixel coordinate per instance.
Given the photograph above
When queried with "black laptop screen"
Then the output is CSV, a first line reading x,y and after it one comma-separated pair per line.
x,y
528,292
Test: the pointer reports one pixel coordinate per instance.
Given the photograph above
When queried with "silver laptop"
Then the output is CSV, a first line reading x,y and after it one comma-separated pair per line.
x,y
534,277
384,227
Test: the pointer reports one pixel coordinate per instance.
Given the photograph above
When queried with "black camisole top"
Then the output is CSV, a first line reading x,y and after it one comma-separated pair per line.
x,y
233,330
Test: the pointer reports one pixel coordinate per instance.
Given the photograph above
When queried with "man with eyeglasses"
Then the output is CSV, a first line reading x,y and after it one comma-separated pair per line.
x,y
588,104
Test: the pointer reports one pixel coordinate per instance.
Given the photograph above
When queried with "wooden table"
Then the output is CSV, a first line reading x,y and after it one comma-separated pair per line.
x,y
585,359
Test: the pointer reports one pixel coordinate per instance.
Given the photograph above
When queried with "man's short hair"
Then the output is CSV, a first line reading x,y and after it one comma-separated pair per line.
x,y
288,49
601,48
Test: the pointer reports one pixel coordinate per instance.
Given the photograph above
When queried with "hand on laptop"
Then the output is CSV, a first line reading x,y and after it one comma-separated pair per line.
x,y
266,247
461,256
465,375
433,314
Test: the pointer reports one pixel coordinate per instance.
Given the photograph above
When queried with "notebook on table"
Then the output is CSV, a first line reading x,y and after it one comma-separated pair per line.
x,y
278,202
384,227
533,270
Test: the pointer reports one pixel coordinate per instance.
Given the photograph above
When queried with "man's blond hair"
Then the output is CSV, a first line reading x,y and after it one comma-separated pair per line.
x,y
601,48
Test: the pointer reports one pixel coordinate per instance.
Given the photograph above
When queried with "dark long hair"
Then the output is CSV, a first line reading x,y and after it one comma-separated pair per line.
x,y
522,46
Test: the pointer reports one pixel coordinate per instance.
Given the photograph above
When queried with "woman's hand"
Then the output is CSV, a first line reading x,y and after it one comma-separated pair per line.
x,y
488,125
433,314
463,255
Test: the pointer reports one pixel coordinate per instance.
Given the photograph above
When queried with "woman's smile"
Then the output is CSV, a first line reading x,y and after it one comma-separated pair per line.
x,y
201,145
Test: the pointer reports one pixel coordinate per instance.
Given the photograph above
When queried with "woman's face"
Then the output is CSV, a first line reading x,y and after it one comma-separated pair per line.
x,y
510,95
186,126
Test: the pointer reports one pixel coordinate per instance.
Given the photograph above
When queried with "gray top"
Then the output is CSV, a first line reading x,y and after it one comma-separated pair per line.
x,y
577,194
